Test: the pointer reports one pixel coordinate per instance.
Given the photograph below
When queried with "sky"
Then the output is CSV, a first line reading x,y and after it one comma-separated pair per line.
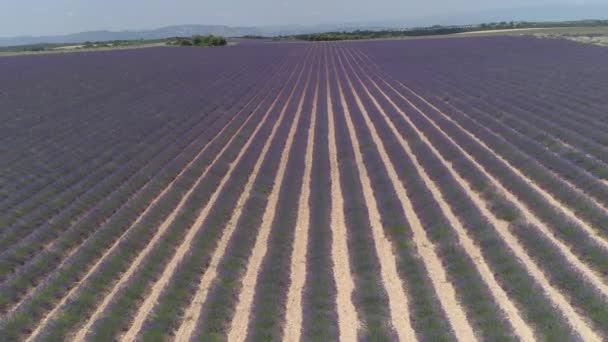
x,y
51,17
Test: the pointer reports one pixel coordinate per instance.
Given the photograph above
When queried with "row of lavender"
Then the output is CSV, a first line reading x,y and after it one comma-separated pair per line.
x,y
175,259
59,119
483,94
563,179
451,159
147,135
555,86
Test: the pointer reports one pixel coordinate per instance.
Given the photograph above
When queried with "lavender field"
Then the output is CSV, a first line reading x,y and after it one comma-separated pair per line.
x,y
431,189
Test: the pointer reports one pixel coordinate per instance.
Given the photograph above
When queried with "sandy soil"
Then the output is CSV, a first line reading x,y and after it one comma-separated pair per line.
x,y
348,321
521,329
69,47
437,273
78,50
293,311
192,314
239,325
94,268
506,30
560,301
599,40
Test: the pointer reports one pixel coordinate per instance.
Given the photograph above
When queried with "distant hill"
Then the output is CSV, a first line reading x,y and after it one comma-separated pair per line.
x,y
531,13
164,32
167,32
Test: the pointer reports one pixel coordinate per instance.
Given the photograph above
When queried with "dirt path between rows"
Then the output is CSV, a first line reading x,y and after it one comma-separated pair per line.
x,y
181,251
105,255
192,314
446,292
502,227
348,321
520,327
294,310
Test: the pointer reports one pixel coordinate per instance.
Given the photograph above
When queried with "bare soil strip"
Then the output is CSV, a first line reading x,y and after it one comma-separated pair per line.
x,y
181,251
576,321
348,321
397,297
80,335
293,312
595,278
240,321
94,268
520,327
192,314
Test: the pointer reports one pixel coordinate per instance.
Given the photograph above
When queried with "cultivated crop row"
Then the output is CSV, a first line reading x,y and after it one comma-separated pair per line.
x,y
327,191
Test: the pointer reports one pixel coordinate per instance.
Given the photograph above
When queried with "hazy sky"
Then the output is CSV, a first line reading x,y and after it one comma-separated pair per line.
x,y
47,17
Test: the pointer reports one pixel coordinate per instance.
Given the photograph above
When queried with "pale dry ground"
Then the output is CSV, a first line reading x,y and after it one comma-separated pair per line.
x,y
521,329
192,314
600,41
348,320
180,253
505,30
77,50
456,315
80,335
293,311
240,321
105,255
398,302
586,35
69,47
577,322
541,32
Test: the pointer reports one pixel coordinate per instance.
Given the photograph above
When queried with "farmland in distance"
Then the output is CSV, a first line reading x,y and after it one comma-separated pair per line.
x,y
429,189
